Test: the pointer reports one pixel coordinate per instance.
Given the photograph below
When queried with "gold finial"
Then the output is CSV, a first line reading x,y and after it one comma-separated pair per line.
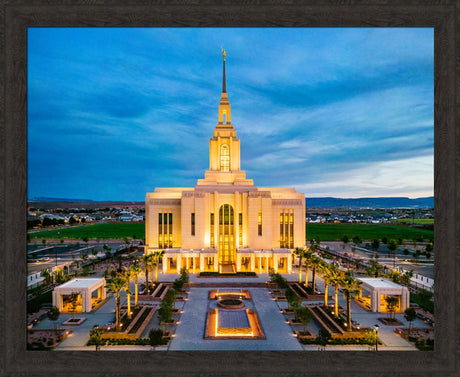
x,y
223,52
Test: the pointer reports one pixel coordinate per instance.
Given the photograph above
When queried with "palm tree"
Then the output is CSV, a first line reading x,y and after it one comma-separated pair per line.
x,y
325,270
146,262
315,262
117,285
127,275
350,286
157,254
136,269
45,274
308,255
299,252
151,264
335,276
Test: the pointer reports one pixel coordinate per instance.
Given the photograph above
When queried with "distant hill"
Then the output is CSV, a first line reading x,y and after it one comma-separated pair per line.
x,y
45,199
328,202
396,202
52,203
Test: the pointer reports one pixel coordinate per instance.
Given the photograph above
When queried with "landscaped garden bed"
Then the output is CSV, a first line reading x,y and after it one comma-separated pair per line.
x,y
336,326
390,321
141,319
339,341
304,334
173,322
423,338
45,339
74,322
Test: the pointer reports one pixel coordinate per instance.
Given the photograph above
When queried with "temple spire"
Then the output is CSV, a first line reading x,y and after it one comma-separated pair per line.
x,y
224,87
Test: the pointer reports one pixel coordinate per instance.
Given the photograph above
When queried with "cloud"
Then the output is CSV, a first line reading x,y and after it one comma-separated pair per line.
x,y
120,111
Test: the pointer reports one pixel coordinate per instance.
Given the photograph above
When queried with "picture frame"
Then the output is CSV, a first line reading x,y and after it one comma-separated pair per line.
x,y
17,16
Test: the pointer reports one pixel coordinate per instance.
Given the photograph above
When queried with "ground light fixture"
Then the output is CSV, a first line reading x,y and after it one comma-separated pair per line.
x,y
376,328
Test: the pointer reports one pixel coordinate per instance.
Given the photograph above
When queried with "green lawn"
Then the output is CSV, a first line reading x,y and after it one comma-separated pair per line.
x,y
94,231
326,232
416,221
368,232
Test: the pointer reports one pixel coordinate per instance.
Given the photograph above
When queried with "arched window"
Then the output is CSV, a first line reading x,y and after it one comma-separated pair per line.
x,y
226,234
224,158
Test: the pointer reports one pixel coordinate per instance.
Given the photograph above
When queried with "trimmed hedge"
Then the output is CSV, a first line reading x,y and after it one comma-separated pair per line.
x,y
345,341
241,273
121,342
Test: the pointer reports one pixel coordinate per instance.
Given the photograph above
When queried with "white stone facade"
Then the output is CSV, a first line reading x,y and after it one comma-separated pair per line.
x,y
225,222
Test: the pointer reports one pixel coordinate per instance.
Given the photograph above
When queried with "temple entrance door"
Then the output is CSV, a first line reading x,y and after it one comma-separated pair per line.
x,y
226,235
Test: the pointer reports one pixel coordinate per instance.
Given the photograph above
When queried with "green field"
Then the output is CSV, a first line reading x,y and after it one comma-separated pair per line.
x,y
367,232
94,231
326,232
416,221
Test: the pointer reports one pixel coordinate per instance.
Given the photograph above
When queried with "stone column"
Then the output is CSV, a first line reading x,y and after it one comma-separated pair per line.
x,y
289,263
103,292
201,263
238,262
375,304
253,262
194,263
165,264
216,264
275,262
260,264
86,300
57,300
179,263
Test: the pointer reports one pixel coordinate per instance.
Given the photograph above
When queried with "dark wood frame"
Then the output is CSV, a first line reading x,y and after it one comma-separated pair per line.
x,y
17,15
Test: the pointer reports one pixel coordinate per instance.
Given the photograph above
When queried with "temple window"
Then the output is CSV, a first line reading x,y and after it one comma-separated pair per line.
x,y
224,158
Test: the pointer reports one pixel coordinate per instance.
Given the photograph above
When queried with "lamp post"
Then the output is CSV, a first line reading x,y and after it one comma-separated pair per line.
x,y
376,328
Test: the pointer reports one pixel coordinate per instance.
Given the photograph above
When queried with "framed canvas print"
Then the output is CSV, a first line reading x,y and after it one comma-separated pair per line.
x,y
200,188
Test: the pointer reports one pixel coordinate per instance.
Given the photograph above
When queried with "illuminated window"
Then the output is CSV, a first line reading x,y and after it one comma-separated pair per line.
x,y
160,230
165,221
226,235
240,226
224,158
259,223
212,230
287,229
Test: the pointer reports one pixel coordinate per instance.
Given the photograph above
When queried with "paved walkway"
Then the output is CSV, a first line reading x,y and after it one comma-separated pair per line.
x,y
190,331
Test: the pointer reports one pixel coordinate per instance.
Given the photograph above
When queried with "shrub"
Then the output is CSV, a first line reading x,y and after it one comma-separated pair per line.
x,y
155,337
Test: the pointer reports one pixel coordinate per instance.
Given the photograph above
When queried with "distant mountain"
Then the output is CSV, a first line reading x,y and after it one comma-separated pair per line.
x,y
52,203
327,202
396,202
44,199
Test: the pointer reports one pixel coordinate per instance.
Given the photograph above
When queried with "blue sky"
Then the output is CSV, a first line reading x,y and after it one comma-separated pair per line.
x,y
343,112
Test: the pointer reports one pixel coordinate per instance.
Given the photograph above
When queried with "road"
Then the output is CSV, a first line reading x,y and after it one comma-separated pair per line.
x,y
425,269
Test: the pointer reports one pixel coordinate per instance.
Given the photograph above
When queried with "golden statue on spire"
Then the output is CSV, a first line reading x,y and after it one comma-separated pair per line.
x,y
223,52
